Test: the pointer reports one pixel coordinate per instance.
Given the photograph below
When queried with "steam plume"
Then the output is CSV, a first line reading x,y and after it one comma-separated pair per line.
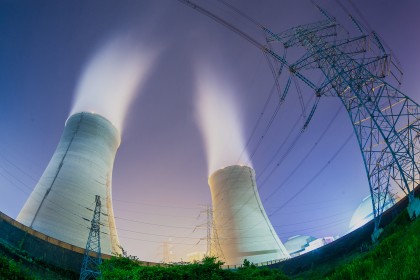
x,y
110,79
219,121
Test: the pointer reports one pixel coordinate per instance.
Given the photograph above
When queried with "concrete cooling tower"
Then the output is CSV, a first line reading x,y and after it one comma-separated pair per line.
x,y
242,229
62,203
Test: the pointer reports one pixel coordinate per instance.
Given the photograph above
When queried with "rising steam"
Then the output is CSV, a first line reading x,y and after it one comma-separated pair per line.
x,y
111,78
219,121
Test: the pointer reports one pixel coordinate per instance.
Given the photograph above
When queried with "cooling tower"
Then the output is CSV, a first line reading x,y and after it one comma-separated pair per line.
x,y
241,228
62,203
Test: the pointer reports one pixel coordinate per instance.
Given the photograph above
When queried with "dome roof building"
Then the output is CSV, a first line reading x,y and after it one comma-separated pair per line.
x,y
295,245
364,212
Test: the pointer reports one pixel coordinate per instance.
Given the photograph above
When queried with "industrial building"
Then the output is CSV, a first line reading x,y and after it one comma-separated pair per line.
x,y
241,228
364,212
61,204
301,244
295,245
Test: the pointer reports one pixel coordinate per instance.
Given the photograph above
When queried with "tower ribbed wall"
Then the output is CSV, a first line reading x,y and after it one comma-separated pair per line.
x,y
62,203
241,228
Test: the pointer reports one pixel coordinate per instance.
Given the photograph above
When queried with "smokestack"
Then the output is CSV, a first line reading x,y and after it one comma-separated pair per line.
x,y
242,226
62,203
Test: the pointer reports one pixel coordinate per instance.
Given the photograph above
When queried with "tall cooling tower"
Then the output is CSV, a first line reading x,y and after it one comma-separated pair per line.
x,y
242,229
62,203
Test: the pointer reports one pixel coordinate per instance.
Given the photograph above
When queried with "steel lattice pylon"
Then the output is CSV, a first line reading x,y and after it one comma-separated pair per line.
x,y
360,71
213,240
385,121
92,259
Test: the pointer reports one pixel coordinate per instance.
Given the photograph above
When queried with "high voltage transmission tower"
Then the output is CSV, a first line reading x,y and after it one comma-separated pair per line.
x,y
212,238
360,71
167,251
92,259
213,243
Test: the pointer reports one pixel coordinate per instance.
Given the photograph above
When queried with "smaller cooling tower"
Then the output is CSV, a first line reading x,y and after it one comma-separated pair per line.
x,y
241,228
62,203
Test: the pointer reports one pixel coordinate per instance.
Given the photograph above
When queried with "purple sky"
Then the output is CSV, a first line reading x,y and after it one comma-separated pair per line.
x,y
160,173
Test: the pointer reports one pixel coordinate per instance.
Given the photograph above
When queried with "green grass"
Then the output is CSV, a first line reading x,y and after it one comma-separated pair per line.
x,y
397,256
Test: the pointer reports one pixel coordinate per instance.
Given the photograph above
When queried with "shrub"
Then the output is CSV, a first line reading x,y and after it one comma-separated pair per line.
x,y
10,269
208,269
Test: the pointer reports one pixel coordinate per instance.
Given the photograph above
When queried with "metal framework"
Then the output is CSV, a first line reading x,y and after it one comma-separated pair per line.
x,y
212,238
213,244
361,72
92,259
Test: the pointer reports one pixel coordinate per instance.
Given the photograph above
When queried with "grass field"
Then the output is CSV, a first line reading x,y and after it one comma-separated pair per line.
x,y
396,256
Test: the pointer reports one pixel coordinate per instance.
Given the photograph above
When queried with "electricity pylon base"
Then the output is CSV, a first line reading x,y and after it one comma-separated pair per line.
x,y
375,235
413,208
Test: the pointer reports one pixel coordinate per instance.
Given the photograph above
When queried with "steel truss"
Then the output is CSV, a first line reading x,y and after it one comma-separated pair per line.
x,y
92,259
360,72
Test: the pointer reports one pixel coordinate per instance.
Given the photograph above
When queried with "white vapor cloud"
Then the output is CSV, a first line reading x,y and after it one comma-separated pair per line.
x,y
111,78
219,121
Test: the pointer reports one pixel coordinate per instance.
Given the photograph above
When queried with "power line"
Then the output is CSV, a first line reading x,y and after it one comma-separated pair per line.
x,y
301,162
17,167
318,227
315,176
152,224
151,241
156,205
116,207
315,219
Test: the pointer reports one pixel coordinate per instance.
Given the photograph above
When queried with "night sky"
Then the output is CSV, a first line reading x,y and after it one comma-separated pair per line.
x,y
160,172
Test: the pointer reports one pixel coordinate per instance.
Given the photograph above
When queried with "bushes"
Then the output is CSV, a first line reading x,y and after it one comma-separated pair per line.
x,y
397,256
17,264
250,272
10,269
208,269
127,268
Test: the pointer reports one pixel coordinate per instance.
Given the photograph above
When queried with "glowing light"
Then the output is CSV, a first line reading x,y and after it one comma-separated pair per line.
x,y
111,78
364,212
219,120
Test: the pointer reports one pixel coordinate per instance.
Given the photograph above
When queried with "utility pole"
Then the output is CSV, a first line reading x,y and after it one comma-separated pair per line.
x,y
357,68
216,250
92,259
167,251
213,244
212,238
209,228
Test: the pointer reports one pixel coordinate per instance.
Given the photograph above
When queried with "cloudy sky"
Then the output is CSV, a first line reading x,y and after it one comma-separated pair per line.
x,y
309,184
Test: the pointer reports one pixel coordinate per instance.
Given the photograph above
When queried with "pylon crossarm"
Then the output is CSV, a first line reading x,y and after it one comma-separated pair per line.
x,y
376,110
384,120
